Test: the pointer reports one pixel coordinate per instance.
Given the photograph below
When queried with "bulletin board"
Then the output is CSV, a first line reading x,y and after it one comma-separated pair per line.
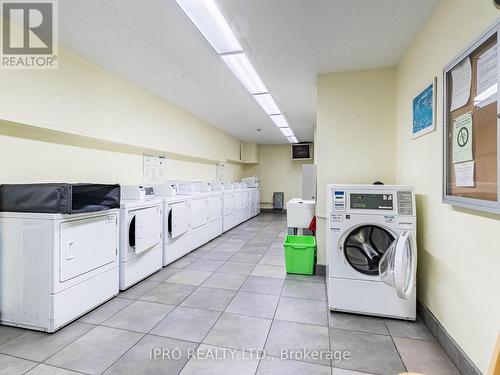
x,y
471,127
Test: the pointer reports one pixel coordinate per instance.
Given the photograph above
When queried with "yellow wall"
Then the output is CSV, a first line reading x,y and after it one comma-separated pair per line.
x,y
277,172
83,99
355,133
459,250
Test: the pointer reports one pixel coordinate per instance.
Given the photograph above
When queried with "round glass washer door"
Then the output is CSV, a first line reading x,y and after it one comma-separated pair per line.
x,y
364,246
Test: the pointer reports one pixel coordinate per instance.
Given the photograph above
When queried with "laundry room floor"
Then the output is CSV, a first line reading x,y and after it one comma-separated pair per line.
x,y
216,311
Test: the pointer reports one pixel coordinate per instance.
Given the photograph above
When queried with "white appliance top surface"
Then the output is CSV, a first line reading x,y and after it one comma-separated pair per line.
x,y
298,202
46,216
369,187
134,203
190,197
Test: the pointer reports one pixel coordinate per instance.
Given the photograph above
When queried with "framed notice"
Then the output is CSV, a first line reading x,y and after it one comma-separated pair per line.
x,y
424,110
471,134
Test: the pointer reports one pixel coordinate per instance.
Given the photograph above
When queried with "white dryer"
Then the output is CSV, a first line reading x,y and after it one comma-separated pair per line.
x,y
190,218
257,198
58,252
228,206
238,205
177,238
371,249
140,235
56,267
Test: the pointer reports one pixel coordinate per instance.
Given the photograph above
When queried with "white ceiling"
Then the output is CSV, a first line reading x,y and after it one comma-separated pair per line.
x,y
152,44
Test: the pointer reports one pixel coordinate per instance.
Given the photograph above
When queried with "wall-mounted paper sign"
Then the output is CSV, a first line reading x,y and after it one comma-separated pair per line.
x,y
154,169
487,78
219,171
462,138
461,77
464,174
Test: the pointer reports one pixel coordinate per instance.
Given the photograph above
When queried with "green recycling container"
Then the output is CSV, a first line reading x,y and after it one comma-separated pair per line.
x,y
300,254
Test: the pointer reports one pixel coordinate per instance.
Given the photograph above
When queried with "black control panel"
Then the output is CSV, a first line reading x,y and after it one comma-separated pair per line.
x,y
371,201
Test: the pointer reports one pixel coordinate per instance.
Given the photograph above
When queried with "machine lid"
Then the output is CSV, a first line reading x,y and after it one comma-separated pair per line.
x,y
398,265
365,245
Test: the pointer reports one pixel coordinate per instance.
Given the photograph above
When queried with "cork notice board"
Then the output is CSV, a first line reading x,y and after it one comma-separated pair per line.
x,y
471,130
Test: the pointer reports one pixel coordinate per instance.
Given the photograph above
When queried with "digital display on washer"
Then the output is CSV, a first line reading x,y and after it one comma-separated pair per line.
x,y
371,201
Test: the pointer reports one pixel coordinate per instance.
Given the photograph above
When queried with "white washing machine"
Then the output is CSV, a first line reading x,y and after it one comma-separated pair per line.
x,y
140,234
372,251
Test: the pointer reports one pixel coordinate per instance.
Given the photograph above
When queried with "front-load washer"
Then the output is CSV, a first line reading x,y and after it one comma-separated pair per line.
x,y
140,235
371,249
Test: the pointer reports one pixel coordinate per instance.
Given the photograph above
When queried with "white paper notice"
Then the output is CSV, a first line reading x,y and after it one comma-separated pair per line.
x,y
461,77
464,174
162,168
148,165
154,168
486,78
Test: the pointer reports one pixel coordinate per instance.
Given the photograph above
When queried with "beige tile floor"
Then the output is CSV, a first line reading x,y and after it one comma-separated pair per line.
x,y
227,302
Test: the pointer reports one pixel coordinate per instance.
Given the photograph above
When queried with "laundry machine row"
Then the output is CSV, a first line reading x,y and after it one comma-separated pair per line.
x,y
67,248
240,203
189,220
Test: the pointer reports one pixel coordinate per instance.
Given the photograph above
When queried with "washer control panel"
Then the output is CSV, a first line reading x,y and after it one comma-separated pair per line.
x,y
371,200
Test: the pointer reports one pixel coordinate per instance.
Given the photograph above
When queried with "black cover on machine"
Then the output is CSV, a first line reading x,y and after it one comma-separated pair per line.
x,y
59,198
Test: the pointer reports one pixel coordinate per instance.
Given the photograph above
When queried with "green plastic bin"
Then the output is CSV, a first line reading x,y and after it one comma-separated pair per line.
x,y
300,254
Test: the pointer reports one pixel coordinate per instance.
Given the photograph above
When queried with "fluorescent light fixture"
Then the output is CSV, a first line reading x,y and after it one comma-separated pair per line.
x,y
287,132
267,103
210,22
280,121
245,72
208,19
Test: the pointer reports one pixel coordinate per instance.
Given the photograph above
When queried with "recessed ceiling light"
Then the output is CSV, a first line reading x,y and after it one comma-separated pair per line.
x,y
287,132
267,103
245,72
292,139
208,19
280,121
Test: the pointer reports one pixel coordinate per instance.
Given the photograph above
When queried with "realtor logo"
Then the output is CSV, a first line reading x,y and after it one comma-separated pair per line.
x,y
29,34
